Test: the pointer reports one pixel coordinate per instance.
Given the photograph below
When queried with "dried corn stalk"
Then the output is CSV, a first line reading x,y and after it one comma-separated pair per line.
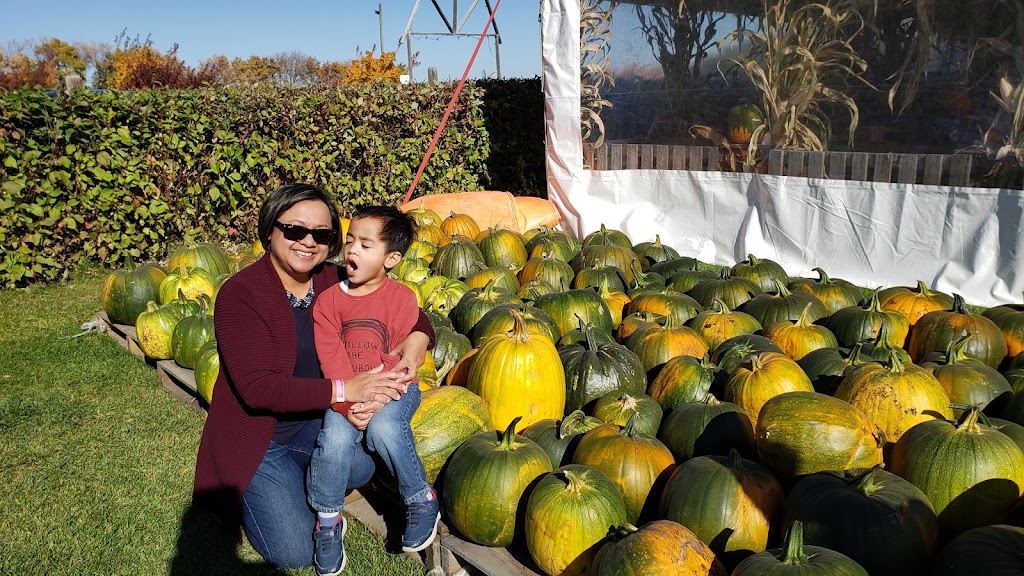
x,y
595,70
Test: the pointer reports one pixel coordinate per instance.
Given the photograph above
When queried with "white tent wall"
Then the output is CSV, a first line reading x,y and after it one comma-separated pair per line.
x,y
955,239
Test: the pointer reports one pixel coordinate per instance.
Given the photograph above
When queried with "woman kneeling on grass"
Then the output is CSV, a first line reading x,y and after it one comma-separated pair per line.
x,y
270,396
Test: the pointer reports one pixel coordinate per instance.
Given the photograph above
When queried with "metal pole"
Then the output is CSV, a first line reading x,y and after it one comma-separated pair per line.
x,y
408,50
380,13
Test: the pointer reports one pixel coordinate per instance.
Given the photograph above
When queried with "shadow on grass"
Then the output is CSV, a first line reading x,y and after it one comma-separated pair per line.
x,y
206,548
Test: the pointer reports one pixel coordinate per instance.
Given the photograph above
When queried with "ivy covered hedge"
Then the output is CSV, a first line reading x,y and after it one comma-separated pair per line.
x,y
109,175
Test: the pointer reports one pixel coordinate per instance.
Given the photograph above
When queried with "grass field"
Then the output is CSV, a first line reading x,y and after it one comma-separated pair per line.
x,y
97,459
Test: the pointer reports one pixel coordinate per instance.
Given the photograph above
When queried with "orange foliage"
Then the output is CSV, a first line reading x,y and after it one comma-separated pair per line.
x,y
143,67
20,71
373,69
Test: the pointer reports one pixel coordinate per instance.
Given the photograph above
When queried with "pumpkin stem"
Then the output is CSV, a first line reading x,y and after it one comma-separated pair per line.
x,y
793,549
922,288
724,274
734,459
630,429
753,260
710,400
969,419
574,481
822,276
706,364
955,350
519,333
508,437
719,305
895,364
588,331
781,287
756,363
204,302
959,306
805,317
616,533
574,423
854,358
627,402
874,305
657,240
865,484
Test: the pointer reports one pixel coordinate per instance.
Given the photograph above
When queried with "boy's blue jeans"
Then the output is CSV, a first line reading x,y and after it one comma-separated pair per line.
x,y
388,434
275,514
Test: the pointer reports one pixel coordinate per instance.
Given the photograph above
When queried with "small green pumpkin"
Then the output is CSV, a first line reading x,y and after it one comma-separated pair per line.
x,y
795,559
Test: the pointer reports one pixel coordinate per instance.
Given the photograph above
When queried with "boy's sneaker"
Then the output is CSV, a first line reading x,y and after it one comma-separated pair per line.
x,y
421,520
329,548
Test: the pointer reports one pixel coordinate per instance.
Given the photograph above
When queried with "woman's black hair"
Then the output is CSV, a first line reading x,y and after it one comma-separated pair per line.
x,y
289,195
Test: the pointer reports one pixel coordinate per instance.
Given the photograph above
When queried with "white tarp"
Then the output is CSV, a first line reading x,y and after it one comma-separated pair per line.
x,y
955,239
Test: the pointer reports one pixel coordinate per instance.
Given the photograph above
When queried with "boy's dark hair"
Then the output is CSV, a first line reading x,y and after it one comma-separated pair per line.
x,y
397,229
289,195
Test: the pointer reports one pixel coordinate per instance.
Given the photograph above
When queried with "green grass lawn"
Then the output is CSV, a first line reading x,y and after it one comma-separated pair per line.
x,y
97,459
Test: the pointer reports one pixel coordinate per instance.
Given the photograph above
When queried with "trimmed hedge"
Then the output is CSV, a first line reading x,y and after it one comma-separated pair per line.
x,y
110,175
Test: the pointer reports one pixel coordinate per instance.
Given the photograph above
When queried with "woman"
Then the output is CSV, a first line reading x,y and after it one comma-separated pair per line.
x,y
270,397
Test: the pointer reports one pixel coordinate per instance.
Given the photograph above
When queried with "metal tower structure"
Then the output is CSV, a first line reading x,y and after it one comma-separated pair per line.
x,y
453,27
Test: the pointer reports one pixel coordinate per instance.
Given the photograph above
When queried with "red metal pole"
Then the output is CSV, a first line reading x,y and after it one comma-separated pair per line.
x,y
451,105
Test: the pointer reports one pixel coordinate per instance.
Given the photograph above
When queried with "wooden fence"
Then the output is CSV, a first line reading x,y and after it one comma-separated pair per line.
x,y
935,169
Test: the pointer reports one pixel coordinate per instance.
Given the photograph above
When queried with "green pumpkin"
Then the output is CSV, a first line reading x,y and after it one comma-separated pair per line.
x,y
209,257
190,334
621,257
644,281
476,302
499,320
795,559
442,294
500,277
189,281
534,289
968,381
826,366
558,438
834,293
503,248
936,330
206,370
972,474
666,302
744,119
413,270
732,353
607,237
784,305
739,501
673,265
456,259
990,550
878,519
594,369
570,308
653,252
634,462
802,433
579,336
449,348
447,416
154,328
1010,320
733,290
765,273
597,275
862,323
682,379
554,247
127,291
721,323
486,479
568,514
707,428
549,269
616,408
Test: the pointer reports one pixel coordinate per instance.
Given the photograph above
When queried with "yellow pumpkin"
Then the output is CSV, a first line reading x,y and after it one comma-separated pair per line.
x,y
518,374
762,378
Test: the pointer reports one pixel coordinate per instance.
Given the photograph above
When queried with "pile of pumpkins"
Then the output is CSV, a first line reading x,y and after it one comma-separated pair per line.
x,y
617,408
172,312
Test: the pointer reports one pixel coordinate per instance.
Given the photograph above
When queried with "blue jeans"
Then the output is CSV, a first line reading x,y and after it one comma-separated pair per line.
x,y
275,516
388,434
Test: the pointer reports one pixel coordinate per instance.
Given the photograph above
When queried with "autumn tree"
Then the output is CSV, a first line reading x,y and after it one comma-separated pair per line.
x,y
295,68
64,56
370,68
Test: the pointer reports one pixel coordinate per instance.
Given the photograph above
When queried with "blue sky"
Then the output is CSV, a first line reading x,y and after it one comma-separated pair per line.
x,y
327,30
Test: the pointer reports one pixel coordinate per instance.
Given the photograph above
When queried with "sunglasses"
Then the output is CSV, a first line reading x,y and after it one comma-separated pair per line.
x,y
294,233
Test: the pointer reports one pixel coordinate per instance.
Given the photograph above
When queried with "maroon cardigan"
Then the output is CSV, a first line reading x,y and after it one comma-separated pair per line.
x,y
257,342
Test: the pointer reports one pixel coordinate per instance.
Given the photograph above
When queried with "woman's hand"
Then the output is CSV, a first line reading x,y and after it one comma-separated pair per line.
x,y
412,352
375,385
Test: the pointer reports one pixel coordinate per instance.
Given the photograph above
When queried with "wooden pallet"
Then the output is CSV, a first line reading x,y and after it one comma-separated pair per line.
x,y
378,509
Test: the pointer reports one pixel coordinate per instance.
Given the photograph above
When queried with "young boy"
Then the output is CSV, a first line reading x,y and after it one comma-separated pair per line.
x,y
355,324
